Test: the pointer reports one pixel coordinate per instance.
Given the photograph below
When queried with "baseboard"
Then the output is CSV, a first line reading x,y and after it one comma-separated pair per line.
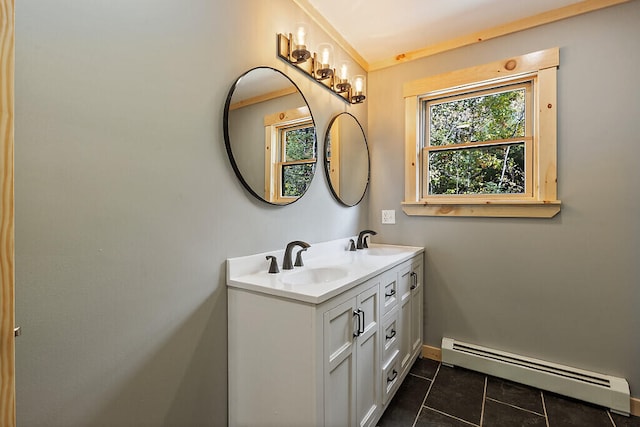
x,y
635,406
435,353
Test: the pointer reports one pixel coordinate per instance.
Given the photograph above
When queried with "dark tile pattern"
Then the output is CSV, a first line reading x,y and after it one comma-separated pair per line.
x,y
563,411
430,418
458,392
425,368
406,402
433,395
500,414
622,421
515,394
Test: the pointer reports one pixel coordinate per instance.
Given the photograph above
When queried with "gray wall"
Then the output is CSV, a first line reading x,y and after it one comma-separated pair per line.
x,y
127,206
565,289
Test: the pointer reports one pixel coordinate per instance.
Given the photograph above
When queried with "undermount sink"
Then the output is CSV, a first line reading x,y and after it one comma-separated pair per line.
x,y
384,251
309,276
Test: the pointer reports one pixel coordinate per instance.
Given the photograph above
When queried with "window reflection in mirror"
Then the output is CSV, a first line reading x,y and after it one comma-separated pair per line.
x,y
290,154
347,159
270,136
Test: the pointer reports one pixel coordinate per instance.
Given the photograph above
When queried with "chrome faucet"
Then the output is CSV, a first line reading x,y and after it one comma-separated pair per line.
x,y
287,264
362,242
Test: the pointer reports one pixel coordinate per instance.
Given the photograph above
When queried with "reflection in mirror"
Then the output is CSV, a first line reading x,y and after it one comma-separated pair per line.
x,y
346,159
270,136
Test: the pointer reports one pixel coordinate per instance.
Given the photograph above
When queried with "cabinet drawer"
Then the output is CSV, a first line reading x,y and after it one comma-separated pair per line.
x,y
390,377
389,292
390,335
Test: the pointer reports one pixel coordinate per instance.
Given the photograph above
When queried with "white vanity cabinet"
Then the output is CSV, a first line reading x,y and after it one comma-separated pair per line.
x,y
315,361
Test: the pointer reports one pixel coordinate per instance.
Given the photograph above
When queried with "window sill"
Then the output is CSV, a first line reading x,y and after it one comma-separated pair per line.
x,y
496,209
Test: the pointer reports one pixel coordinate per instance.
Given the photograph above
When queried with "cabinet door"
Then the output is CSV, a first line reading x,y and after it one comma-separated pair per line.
x,y
340,365
368,393
405,281
417,294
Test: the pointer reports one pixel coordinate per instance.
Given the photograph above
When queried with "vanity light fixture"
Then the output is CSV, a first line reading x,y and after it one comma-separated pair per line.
x,y
319,66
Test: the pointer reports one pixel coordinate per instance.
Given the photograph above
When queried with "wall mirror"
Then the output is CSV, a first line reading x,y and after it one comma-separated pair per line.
x,y
270,136
346,159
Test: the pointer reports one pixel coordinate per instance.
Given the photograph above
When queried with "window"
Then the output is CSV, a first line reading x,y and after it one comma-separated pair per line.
x,y
482,141
290,154
297,159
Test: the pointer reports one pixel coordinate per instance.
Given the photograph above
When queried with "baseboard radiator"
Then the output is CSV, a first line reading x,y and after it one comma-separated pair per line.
x,y
603,390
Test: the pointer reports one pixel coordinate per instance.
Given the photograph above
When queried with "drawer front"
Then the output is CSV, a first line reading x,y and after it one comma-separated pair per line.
x,y
390,377
389,291
390,335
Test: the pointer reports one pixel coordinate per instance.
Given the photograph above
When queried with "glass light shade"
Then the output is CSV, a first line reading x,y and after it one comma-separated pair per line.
x,y
300,36
299,52
324,60
325,54
342,83
358,85
343,70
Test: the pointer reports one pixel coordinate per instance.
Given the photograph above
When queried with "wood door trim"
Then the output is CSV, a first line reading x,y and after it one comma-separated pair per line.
x,y
7,262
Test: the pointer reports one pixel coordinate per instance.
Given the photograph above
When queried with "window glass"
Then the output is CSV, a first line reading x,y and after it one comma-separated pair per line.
x,y
477,118
485,170
296,178
471,142
299,143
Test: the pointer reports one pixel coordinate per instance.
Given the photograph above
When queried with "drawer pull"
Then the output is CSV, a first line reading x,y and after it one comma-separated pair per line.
x,y
393,334
414,279
361,323
391,293
393,377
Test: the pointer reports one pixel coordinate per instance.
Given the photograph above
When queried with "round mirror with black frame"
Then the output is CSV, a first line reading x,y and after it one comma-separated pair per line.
x,y
346,159
270,136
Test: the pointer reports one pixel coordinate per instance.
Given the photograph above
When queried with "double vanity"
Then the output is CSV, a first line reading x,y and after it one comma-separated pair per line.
x,y
323,344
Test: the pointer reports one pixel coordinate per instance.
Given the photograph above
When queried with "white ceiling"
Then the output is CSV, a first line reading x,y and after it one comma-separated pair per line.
x,y
381,29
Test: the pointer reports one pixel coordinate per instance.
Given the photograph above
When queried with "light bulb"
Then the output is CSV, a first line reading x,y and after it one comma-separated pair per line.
x,y
358,83
325,55
301,36
344,71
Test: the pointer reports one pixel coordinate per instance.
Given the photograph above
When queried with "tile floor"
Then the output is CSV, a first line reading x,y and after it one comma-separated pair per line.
x,y
437,395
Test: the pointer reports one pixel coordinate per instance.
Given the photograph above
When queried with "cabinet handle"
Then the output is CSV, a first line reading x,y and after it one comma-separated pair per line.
x,y
393,377
391,293
393,334
357,332
360,332
414,279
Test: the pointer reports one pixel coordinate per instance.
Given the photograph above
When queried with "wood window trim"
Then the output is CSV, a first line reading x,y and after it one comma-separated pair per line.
x,y
7,215
543,202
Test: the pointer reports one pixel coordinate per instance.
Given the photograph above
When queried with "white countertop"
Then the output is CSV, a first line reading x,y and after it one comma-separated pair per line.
x,y
338,270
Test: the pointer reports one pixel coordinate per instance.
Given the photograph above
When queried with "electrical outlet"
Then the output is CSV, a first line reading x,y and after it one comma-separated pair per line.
x,y
389,216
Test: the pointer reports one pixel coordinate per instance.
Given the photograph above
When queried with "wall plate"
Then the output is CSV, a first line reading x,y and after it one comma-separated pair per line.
x,y
388,216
